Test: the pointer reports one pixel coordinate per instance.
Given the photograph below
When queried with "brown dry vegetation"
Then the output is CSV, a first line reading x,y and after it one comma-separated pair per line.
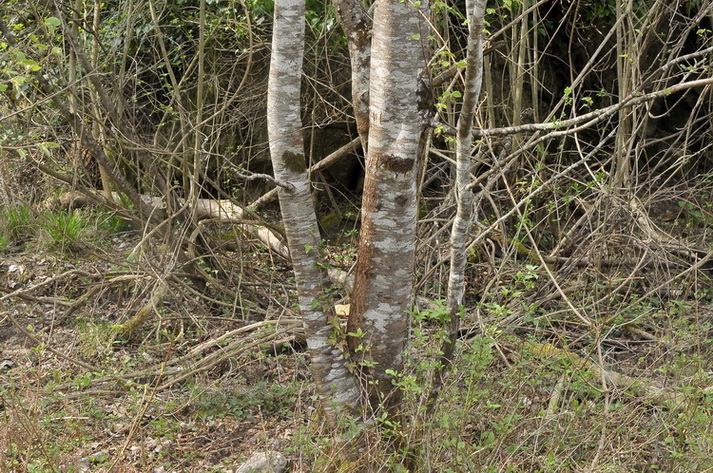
x,y
178,393
137,336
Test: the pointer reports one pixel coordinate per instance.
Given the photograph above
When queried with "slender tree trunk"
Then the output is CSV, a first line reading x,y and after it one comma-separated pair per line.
x,y
334,381
385,268
198,137
517,66
72,66
464,196
626,77
357,27
97,128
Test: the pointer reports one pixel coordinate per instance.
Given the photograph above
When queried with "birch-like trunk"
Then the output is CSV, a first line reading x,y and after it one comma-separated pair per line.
x,y
464,196
334,381
357,27
385,267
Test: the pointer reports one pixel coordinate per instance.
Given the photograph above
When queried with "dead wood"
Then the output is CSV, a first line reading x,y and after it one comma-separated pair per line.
x,y
219,211
323,164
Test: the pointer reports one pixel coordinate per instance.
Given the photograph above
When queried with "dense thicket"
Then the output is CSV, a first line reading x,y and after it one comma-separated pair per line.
x,y
134,143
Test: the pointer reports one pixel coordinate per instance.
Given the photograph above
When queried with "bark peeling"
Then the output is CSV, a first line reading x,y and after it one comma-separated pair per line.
x,y
398,164
294,162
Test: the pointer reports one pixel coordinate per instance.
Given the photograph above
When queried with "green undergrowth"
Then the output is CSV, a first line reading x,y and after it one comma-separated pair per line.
x,y
523,412
53,417
22,227
514,404
17,225
511,403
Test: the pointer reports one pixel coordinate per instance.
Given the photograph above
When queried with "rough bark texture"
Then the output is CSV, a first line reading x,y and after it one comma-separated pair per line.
x,y
384,273
334,381
356,25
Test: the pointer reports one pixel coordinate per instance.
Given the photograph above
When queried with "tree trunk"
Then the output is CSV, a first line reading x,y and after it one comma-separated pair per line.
x,y
333,380
356,25
626,78
97,129
385,268
464,196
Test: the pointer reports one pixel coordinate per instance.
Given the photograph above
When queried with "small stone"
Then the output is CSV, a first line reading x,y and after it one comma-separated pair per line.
x,y
264,462
165,445
84,464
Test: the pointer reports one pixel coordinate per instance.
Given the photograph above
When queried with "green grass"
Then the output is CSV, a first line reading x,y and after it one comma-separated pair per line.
x,y
64,231
17,226
57,230
112,223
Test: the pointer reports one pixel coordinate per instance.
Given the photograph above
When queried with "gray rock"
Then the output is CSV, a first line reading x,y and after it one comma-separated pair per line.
x,y
264,462
83,465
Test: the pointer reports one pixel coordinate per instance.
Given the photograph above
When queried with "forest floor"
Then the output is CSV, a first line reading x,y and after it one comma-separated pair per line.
x,y
58,415
542,394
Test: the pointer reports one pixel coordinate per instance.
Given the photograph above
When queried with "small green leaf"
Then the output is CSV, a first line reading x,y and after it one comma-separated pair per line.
x,y
45,147
52,22
357,334
30,65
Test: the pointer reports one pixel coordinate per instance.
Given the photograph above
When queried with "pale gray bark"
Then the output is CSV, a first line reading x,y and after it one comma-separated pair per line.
x,y
464,196
464,150
357,26
334,381
385,268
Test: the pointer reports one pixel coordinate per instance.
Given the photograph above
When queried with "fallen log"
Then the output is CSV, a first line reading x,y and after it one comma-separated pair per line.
x,y
219,211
